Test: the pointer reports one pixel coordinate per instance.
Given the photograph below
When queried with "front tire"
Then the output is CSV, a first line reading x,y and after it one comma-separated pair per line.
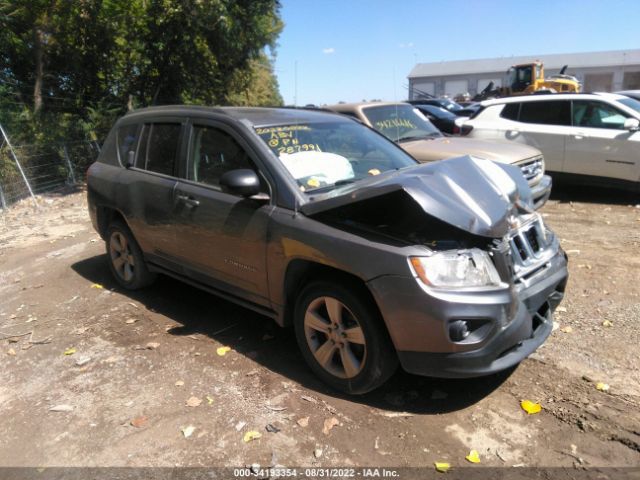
x,y
125,258
342,337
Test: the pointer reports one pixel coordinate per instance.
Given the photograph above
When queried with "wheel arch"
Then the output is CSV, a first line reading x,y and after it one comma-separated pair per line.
x,y
300,272
105,216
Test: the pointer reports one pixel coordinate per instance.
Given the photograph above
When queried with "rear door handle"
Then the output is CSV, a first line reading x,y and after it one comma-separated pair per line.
x,y
188,201
580,135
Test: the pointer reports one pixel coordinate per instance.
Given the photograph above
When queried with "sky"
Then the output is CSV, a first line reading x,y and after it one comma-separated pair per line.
x,y
351,50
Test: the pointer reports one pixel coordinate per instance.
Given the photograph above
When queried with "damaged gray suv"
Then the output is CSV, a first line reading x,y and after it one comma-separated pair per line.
x,y
321,223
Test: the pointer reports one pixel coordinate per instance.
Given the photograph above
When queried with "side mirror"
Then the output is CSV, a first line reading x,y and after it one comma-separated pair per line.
x,y
243,182
632,124
131,159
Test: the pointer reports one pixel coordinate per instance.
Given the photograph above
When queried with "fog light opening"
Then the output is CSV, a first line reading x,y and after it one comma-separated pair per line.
x,y
459,330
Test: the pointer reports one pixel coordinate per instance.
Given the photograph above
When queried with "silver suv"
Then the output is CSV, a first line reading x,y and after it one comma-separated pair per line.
x,y
585,138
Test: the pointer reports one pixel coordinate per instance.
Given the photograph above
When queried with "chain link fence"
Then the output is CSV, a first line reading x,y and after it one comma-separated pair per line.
x,y
41,169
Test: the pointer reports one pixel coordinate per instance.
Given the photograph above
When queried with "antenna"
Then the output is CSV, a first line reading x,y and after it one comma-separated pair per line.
x,y
295,83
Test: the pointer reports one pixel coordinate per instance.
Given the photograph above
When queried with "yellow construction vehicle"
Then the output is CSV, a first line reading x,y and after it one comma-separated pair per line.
x,y
528,78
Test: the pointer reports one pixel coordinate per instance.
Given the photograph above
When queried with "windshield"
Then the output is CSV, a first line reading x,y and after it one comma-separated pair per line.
x,y
449,105
400,122
631,103
325,155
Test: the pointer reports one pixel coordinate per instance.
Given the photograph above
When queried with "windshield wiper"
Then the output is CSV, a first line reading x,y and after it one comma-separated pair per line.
x,y
424,136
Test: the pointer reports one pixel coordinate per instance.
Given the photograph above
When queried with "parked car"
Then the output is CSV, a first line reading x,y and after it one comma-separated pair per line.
x,y
585,138
635,94
321,223
448,105
410,129
443,119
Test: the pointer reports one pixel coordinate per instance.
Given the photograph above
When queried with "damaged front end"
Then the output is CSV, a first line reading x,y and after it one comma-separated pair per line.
x,y
481,296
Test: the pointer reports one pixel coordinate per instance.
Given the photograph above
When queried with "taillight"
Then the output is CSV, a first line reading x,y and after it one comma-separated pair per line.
x,y
466,129
456,129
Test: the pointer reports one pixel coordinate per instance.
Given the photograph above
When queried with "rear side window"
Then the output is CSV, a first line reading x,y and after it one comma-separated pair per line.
x,y
511,111
546,113
159,147
127,141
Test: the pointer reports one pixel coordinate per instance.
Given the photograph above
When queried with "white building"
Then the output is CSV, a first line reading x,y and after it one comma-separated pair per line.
x,y
597,71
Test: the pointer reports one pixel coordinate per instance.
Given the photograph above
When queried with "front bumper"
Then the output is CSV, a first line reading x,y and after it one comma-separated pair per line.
x,y
541,191
520,319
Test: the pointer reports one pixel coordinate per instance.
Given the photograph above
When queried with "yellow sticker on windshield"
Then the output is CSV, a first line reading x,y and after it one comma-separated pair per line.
x,y
313,182
374,171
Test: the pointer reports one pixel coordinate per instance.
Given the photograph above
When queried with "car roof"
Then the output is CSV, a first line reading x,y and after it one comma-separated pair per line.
x,y
553,96
256,116
354,107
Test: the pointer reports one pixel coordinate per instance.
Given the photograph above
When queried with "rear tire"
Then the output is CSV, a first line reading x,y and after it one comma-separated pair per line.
x,y
125,258
343,338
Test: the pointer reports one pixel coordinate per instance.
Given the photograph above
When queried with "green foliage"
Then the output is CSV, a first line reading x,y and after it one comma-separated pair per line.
x,y
68,69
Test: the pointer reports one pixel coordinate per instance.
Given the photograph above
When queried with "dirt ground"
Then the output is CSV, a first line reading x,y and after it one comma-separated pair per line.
x,y
123,367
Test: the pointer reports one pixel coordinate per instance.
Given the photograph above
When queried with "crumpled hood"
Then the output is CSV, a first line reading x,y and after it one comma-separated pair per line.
x,y
475,195
449,147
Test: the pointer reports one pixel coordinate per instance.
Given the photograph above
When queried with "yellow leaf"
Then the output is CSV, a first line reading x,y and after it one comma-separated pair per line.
x,y
530,407
252,435
442,466
607,323
603,387
209,400
473,457
222,351
70,351
96,285
188,431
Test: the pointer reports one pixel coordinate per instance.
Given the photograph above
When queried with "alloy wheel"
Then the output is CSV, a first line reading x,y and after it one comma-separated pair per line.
x,y
335,337
121,256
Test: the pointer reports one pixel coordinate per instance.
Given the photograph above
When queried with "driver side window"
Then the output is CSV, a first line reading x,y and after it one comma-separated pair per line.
x,y
594,114
214,152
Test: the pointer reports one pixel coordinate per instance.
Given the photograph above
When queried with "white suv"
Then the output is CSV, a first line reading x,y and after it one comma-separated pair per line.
x,y
590,138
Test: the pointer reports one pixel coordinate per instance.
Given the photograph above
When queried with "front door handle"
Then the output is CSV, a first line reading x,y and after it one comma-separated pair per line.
x,y
188,201
580,135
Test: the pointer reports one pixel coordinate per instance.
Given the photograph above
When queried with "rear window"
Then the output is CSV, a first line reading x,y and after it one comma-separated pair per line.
x,y
511,111
159,147
546,113
127,141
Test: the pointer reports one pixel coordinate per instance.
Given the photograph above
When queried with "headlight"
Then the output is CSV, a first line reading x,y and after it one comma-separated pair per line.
x,y
456,269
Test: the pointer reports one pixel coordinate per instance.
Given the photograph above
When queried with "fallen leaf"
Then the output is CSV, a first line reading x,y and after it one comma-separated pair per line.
x,y
317,452
222,351
442,467
188,431
561,309
139,422
152,345
303,422
329,423
240,425
603,387
194,402
179,383
473,457
251,435
11,352
572,252
97,285
131,320
530,407
308,399
607,323
209,400
566,329
271,428
70,351
62,408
